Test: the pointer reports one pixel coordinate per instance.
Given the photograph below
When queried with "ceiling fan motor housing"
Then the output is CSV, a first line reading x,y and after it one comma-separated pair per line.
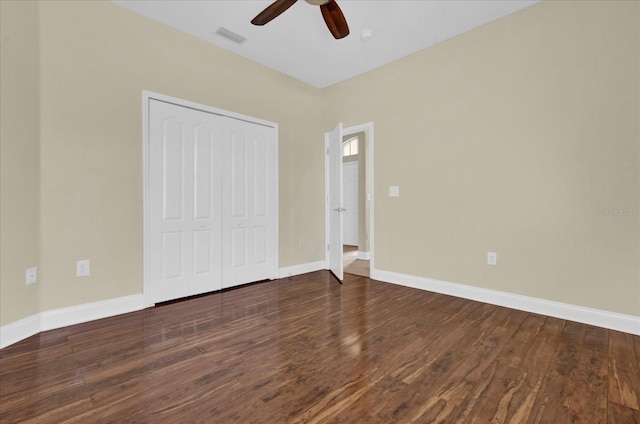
x,y
317,2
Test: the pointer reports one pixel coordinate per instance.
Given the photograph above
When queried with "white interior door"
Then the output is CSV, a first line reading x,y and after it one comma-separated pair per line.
x,y
185,162
249,196
333,144
350,203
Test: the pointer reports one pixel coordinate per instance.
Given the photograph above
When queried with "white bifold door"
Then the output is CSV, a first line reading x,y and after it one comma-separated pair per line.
x,y
212,201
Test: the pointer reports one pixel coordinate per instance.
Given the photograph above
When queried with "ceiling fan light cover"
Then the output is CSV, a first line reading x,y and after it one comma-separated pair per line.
x,y
317,2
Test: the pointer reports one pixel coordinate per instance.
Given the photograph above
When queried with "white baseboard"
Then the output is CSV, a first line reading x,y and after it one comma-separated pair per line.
x,y
63,317
365,256
19,330
290,271
597,317
58,318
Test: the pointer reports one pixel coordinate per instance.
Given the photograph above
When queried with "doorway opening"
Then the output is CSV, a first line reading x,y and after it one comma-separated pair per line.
x,y
357,195
353,265
355,189
335,210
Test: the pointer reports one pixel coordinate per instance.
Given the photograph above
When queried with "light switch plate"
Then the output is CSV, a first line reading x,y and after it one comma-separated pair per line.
x,y
492,258
394,191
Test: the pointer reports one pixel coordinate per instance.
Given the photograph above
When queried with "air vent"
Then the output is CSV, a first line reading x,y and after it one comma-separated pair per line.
x,y
230,35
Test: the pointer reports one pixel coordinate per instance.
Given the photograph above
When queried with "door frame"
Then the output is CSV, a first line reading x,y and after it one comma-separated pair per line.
x,y
369,142
147,96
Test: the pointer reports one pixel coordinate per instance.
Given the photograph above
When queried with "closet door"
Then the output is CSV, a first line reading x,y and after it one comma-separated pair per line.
x,y
249,199
185,210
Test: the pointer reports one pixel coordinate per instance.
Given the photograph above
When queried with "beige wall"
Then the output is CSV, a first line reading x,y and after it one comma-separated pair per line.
x,y
513,138
19,158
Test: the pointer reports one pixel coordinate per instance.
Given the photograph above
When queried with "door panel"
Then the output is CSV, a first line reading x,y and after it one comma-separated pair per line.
x,y
260,241
238,174
334,144
185,218
249,226
202,251
171,255
261,177
203,173
172,168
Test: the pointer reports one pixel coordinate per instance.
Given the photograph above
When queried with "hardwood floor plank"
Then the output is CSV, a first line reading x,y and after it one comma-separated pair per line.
x,y
518,401
586,401
472,379
47,339
20,399
596,338
519,345
555,392
58,405
618,414
502,371
43,375
306,349
622,349
470,356
497,382
624,373
66,412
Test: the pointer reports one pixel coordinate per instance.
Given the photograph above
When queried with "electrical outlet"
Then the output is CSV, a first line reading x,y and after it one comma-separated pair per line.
x,y
492,258
32,275
83,268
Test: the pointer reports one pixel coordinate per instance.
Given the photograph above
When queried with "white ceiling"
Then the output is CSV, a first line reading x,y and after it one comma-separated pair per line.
x,y
298,43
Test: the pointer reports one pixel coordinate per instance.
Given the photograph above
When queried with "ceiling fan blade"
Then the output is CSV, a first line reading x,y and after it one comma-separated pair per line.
x,y
335,19
273,11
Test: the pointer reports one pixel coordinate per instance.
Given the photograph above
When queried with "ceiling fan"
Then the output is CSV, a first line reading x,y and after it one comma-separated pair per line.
x,y
331,13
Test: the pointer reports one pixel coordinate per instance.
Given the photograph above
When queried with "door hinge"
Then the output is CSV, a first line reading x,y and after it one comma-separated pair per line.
x,y
327,247
327,150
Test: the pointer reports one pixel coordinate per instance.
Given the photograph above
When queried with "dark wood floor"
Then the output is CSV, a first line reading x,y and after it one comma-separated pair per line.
x,y
308,350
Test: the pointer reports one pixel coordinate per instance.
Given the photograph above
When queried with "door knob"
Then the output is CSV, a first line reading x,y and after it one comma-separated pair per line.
x,y
339,209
